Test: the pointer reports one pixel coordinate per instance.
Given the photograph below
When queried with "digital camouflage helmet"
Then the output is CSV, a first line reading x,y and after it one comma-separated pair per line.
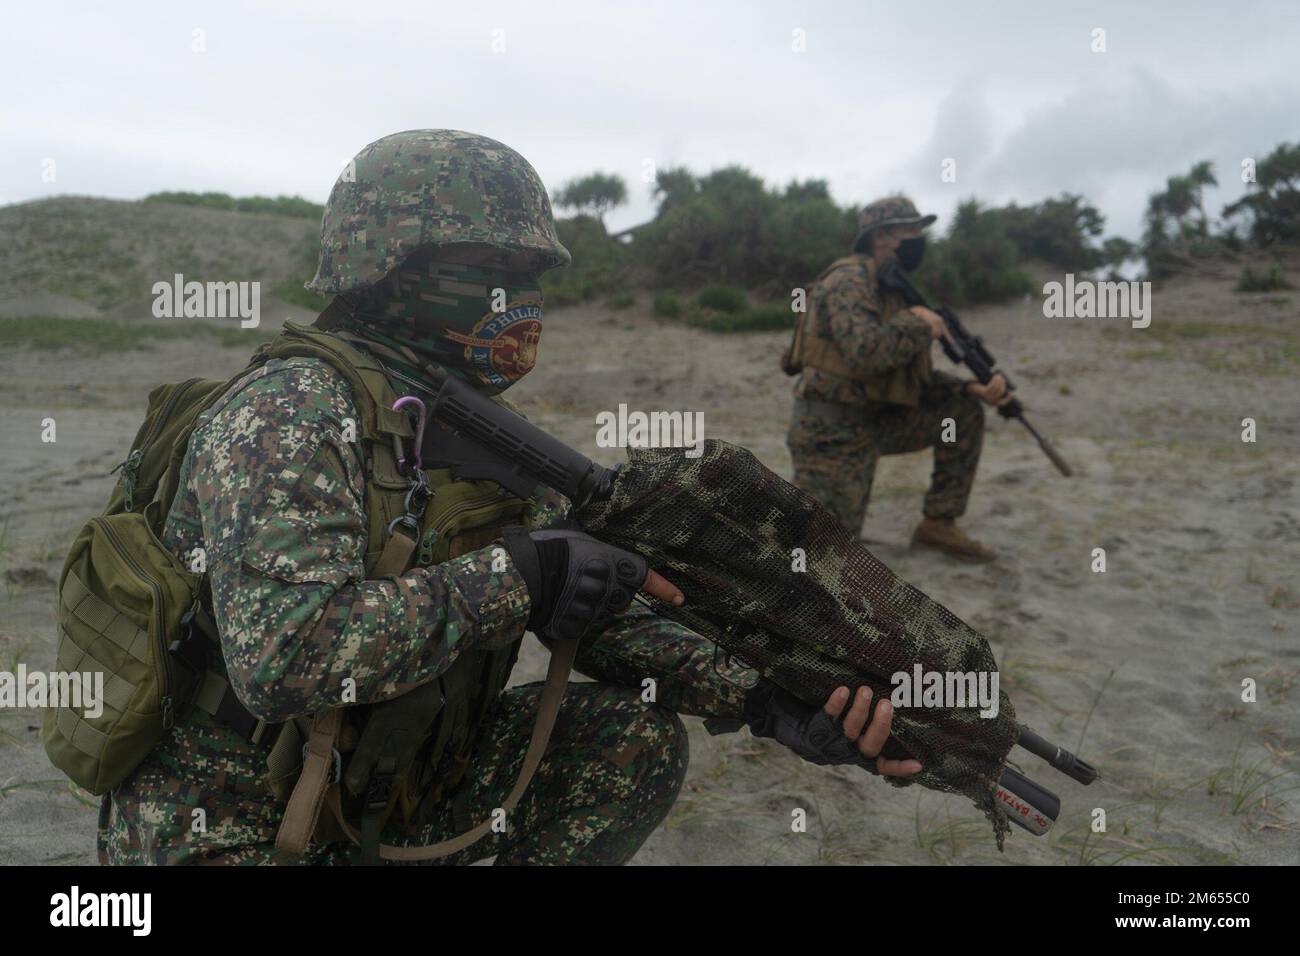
x,y
432,187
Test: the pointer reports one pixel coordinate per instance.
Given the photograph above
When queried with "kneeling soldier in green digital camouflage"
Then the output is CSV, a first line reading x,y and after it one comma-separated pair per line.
x,y
867,388
433,242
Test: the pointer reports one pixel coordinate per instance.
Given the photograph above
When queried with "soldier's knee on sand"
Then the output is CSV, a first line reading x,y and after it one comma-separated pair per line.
x,y
969,414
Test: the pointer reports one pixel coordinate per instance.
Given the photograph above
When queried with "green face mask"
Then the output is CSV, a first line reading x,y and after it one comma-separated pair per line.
x,y
482,324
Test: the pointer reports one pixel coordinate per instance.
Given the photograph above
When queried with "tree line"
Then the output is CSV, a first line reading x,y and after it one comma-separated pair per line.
x,y
728,227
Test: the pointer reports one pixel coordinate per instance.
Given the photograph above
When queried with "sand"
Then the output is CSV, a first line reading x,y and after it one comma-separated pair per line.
x,y
1139,669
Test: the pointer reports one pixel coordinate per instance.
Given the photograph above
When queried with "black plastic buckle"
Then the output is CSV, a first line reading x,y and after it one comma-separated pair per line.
x,y
190,649
379,791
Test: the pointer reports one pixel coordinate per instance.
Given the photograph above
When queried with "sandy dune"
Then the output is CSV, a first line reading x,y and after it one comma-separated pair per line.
x,y
1140,668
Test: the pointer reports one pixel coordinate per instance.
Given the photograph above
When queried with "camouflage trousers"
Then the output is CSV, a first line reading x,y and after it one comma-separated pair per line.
x,y
835,461
610,775
612,771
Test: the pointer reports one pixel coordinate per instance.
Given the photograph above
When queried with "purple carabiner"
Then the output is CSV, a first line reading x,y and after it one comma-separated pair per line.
x,y
420,416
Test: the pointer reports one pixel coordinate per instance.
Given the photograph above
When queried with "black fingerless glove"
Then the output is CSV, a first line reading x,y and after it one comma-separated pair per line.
x,y
807,730
576,583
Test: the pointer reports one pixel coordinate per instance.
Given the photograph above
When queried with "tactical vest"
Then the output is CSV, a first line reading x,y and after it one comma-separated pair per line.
x,y
461,516
128,608
812,347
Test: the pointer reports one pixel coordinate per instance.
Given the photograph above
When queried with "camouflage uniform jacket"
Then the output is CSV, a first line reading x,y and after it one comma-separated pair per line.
x,y
885,346
273,493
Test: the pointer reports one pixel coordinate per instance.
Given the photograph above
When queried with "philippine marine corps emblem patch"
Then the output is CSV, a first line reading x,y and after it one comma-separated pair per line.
x,y
503,345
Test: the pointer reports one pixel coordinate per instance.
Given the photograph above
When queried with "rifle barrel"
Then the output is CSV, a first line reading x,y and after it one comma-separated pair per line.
x,y
1058,757
1047,448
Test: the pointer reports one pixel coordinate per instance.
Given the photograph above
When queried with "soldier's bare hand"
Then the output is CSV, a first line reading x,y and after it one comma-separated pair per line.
x,y
938,329
994,393
873,740
658,586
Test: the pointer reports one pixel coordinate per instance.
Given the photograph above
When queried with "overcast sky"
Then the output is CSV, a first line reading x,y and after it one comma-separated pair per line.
x,y
283,94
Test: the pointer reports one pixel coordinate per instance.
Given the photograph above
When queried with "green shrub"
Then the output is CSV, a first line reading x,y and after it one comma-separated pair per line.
x,y
600,264
1271,280
765,318
976,262
292,291
728,227
667,305
710,229
770,318
1271,206
107,335
89,335
805,236
722,298
621,300
1059,231
688,244
294,207
566,290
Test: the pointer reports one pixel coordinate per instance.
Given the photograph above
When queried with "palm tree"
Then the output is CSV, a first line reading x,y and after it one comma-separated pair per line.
x,y
1198,177
598,193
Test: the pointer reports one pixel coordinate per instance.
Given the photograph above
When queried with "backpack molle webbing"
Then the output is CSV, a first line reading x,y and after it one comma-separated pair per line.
x,y
124,600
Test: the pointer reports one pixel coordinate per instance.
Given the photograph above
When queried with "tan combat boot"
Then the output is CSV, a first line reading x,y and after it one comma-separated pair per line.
x,y
942,534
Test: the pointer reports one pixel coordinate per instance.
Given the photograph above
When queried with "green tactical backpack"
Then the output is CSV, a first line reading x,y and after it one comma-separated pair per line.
x,y
123,598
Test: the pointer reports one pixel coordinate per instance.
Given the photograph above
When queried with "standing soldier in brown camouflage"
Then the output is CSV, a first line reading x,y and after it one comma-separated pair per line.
x,y
867,388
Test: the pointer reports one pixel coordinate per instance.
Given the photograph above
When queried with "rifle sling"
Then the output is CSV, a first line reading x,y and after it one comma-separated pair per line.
x,y
557,678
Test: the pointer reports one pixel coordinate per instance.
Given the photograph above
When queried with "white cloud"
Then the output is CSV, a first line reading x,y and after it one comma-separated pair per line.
x,y
1115,144
285,93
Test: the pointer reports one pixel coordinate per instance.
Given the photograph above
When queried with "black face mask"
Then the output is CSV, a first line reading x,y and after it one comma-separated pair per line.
x,y
910,252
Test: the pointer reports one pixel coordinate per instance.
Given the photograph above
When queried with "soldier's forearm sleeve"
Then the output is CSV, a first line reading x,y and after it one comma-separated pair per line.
x,y
295,647
549,508
871,346
280,494
640,646
944,380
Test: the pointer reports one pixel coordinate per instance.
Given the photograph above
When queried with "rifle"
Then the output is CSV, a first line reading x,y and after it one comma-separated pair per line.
x,y
967,349
480,439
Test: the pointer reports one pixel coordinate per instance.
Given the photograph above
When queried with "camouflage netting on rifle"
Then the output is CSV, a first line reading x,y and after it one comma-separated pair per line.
x,y
728,532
